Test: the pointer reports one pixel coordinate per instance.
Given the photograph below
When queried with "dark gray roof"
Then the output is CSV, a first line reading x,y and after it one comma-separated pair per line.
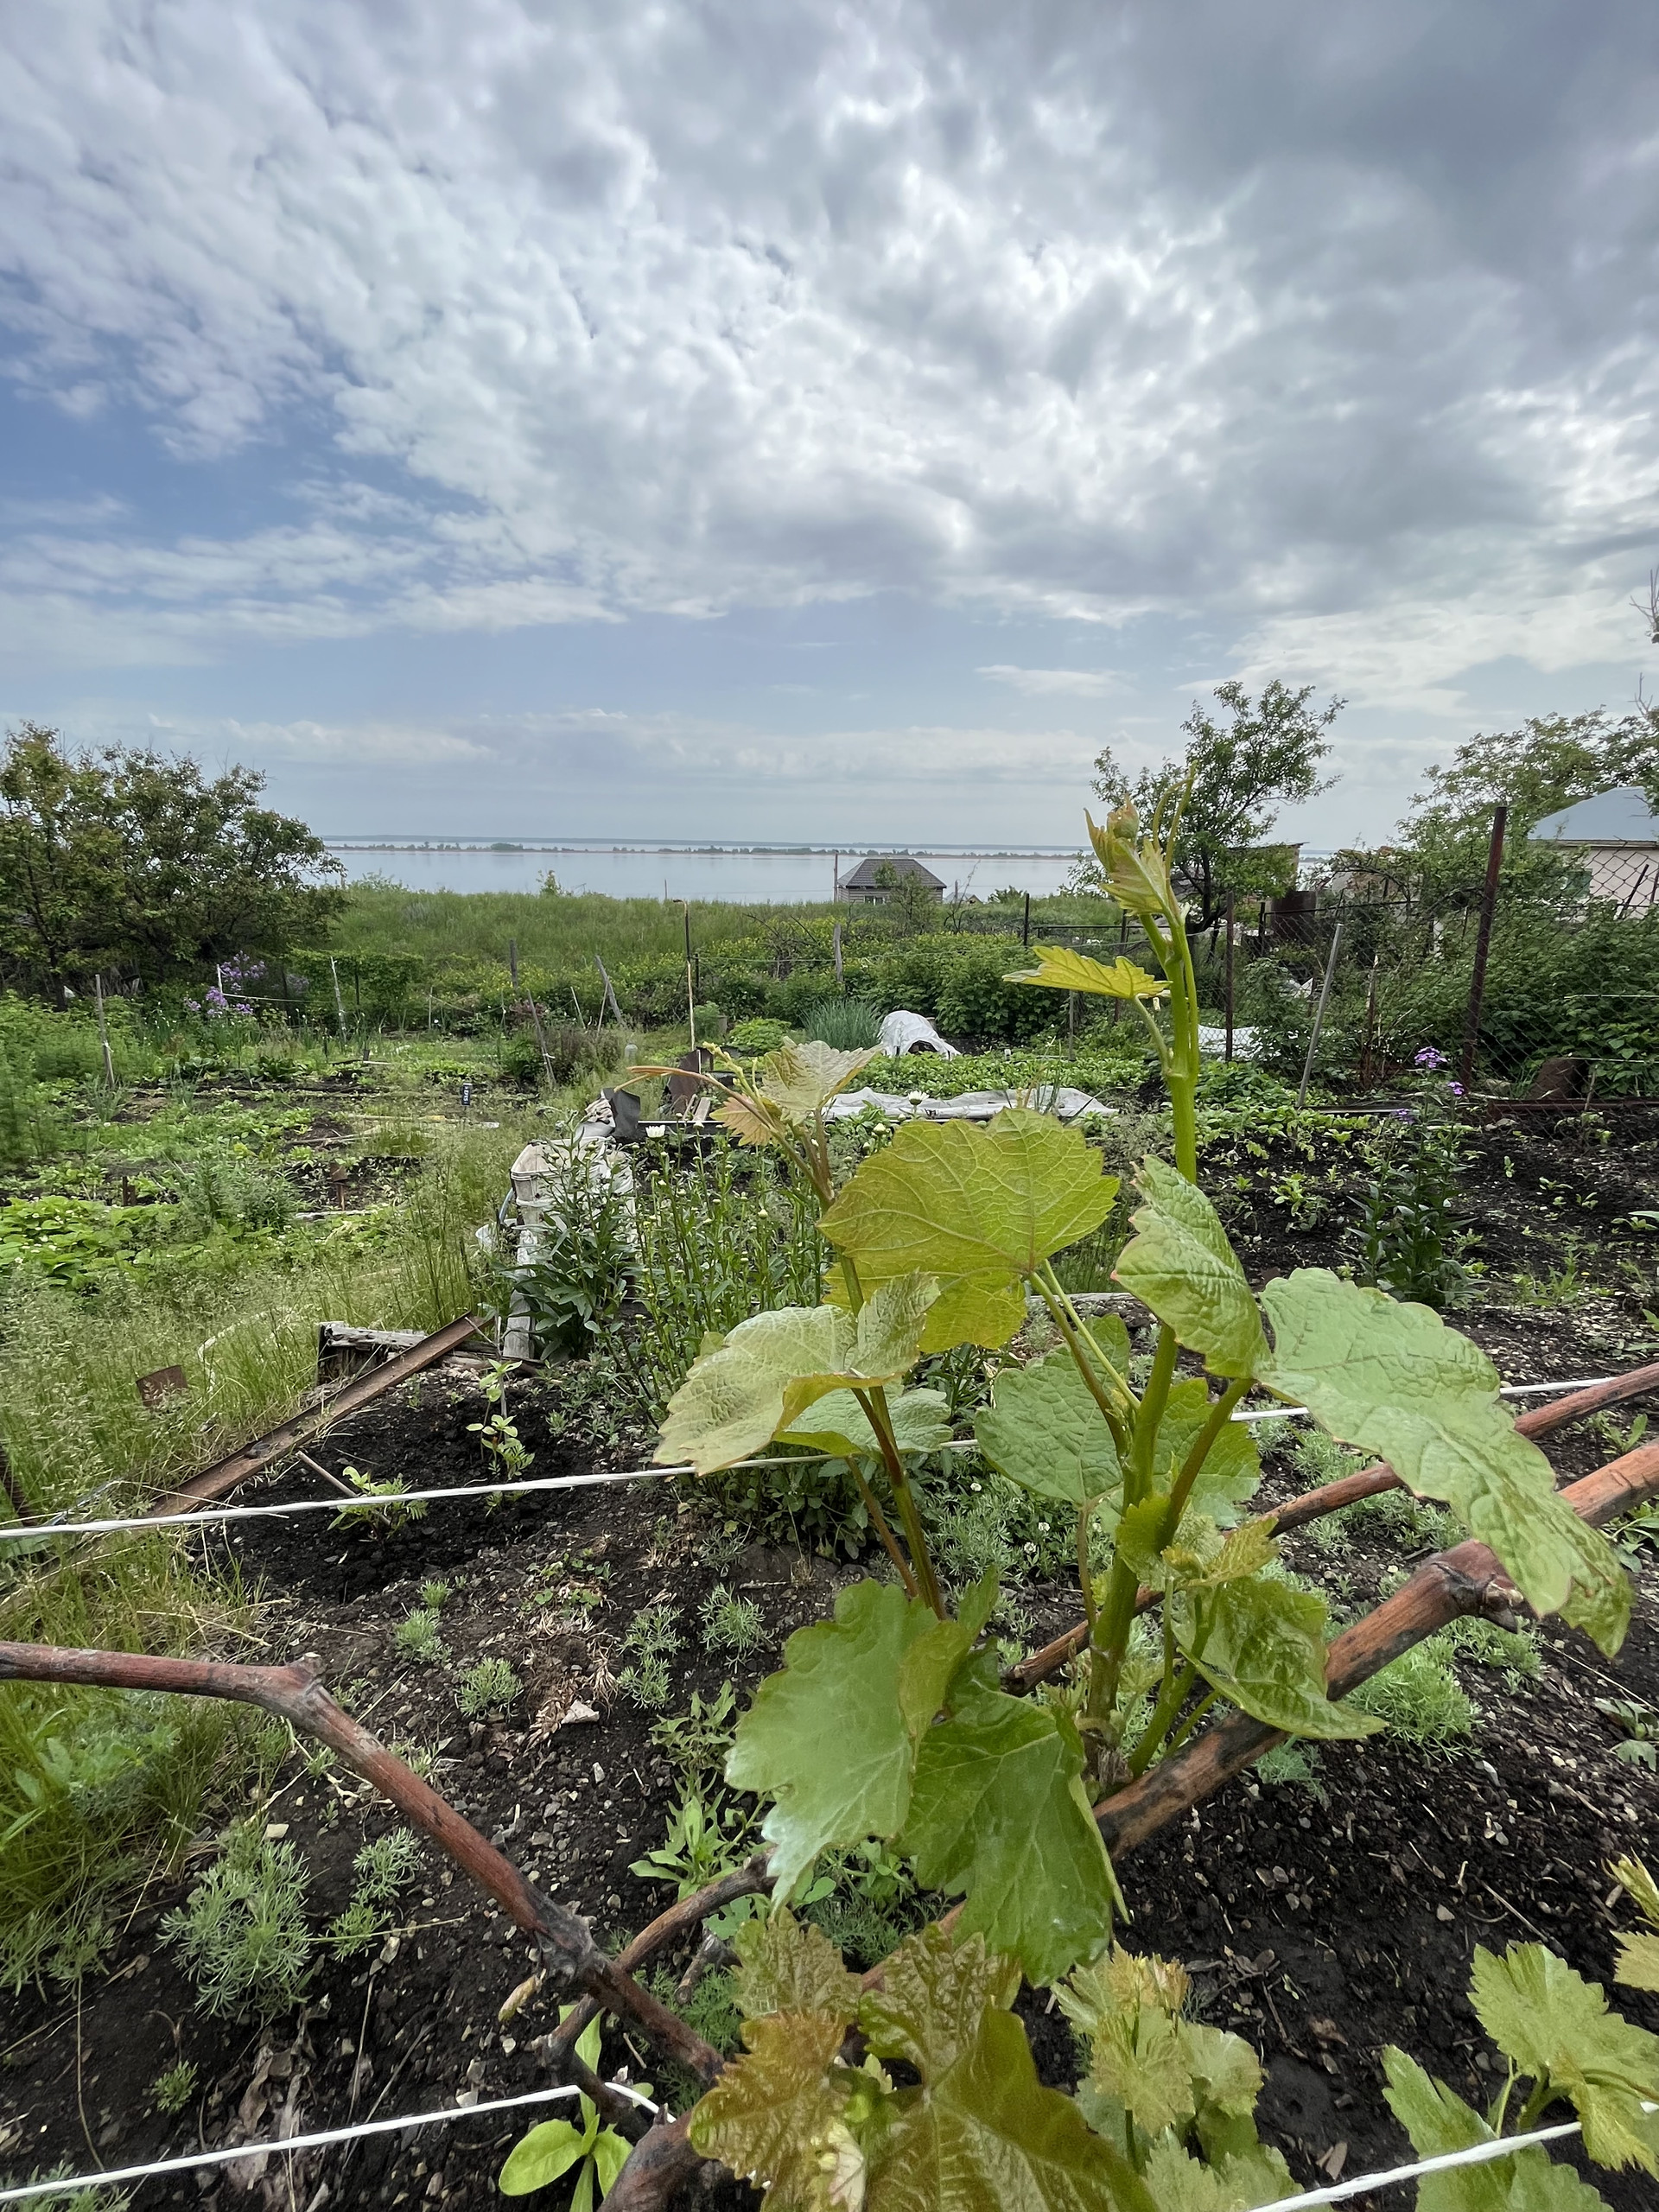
x,y
863,876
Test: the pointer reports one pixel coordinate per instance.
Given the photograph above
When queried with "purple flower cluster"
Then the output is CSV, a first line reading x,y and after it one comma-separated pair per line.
x,y
1430,1057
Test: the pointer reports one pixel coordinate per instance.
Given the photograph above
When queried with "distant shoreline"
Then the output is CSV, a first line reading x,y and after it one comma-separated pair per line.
x,y
601,845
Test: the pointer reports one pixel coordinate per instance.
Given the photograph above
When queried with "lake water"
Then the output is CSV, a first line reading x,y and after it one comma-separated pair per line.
x,y
778,879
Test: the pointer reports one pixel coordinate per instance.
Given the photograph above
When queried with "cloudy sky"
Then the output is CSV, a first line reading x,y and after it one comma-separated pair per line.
x,y
781,418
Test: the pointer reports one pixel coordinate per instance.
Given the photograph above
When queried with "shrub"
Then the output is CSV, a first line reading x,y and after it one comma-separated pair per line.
x,y
757,1035
242,1935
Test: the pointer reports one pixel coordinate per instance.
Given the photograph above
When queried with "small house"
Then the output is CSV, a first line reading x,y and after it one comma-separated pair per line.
x,y
878,875
1615,836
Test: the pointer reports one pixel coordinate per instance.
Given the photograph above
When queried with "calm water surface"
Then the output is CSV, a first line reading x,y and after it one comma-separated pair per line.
x,y
782,879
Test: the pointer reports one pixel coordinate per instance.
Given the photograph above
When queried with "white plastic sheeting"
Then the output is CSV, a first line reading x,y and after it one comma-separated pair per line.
x,y
1066,1105
903,1032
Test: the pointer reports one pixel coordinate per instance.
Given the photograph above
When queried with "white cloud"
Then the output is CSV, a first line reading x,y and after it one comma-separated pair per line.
x,y
1084,312
1052,683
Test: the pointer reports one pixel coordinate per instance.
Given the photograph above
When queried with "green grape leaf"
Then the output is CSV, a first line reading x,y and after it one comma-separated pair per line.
x,y
998,1813
1059,968
836,1423
1262,1644
1138,2060
1232,1468
541,2157
777,2112
1226,2081
1044,1431
934,1992
1204,1559
984,2135
1180,1263
1393,1379
745,1389
1552,2021
986,1205
1230,2184
786,1965
799,1080
930,1664
1638,1884
826,1737
1637,1965
1438,2121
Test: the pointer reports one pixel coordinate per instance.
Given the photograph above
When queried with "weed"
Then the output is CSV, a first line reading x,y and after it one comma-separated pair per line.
x,y
707,1838
698,1739
435,1595
1640,1743
1635,1534
490,1687
650,1640
1293,1764
734,1625
381,1868
1420,1697
417,1636
383,1518
172,2090
1410,1244
242,1935
1512,1653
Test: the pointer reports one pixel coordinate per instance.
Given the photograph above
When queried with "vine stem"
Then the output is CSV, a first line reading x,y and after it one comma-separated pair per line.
x,y
298,1694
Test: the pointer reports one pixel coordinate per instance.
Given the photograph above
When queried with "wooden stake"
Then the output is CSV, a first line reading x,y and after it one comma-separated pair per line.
x,y
103,1032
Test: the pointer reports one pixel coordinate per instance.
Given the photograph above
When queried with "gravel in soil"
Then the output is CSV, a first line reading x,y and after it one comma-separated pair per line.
x,y
1321,1919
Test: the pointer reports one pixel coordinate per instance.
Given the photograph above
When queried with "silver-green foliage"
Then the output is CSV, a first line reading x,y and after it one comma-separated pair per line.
x,y
242,1935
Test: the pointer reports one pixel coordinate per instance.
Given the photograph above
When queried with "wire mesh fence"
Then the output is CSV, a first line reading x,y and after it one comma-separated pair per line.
x,y
1555,1001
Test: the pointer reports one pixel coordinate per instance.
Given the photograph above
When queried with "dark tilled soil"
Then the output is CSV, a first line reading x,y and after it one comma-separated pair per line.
x,y
1321,1921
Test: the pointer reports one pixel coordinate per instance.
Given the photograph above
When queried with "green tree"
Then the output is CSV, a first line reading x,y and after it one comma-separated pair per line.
x,y
1551,761
1266,752
912,904
129,862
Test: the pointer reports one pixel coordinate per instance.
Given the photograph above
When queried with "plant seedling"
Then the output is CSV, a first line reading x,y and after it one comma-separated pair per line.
x,y
490,1687
553,2146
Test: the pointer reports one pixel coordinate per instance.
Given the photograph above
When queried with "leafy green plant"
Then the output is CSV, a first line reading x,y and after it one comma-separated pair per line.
x,y
705,1839
729,1623
650,1641
1411,1244
435,1595
498,1436
417,1636
886,1722
757,1035
242,1935
554,2146
490,1687
849,1025
172,2088
384,1518
1639,1731
573,1274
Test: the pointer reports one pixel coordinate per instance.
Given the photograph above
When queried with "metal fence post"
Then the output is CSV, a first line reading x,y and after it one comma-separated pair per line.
x,y
1483,945
1318,1015
1230,975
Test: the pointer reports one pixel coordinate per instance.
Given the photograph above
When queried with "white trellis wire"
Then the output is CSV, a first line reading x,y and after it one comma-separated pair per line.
x,y
285,2145
1475,2154
398,1501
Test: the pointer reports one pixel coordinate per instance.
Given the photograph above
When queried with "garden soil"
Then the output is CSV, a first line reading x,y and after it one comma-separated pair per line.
x,y
1322,1920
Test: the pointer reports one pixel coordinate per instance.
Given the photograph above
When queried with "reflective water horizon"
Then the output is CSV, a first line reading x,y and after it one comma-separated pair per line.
x,y
778,879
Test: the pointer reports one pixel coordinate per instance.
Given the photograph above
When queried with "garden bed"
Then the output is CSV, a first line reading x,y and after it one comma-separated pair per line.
x,y
1325,1909
1321,1916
